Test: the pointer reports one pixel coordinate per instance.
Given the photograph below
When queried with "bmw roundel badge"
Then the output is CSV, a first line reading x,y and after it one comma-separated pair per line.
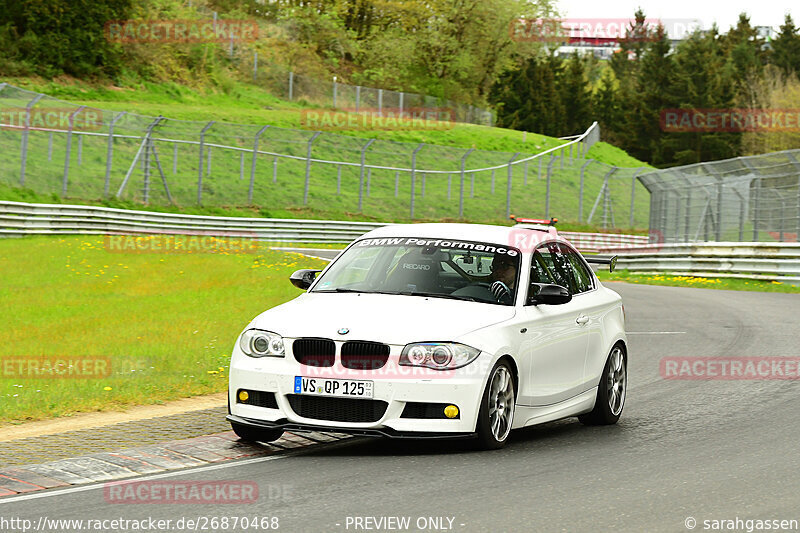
x,y
343,331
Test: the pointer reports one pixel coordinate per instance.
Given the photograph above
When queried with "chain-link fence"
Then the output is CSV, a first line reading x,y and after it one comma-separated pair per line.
x,y
337,95
55,147
755,198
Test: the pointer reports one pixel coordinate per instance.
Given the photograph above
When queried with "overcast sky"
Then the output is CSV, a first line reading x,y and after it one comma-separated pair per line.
x,y
725,13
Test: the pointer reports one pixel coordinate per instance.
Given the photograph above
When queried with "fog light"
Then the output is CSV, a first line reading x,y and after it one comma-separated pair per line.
x,y
451,411
243,396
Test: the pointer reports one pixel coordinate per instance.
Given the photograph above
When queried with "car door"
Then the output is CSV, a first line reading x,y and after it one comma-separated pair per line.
x,y
555,342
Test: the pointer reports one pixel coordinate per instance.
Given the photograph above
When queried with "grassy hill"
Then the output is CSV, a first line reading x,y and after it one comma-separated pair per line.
x,y
278,190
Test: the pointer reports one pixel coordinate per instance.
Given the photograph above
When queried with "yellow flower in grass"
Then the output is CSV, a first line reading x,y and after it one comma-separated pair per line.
x,y
107,388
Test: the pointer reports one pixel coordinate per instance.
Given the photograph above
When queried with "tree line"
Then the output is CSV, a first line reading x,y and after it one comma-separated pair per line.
x,y
629,93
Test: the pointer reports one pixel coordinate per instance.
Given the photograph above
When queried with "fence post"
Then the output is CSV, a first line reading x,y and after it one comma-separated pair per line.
x,y
580,192
369,181
424,176
174,158
396,183
253,165
547,190
338,180
335,87
24,144
402,94
275,169
200,168
361,174
414,174
308,167
80,150
291,85
110,152
358,97
796,165
539,176
461,196
255,65
69,149
756,201
148,147
508,184
602,194
380,102
50,147
493,181
561,160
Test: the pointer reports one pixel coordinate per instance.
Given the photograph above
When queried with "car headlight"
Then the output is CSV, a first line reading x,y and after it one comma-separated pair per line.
x,y
438,355
260,343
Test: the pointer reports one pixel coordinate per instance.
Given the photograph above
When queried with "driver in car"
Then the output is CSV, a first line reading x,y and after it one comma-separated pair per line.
x,y
503,277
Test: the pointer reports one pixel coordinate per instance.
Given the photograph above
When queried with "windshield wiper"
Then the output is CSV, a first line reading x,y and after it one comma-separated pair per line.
x,y
339,289
437,295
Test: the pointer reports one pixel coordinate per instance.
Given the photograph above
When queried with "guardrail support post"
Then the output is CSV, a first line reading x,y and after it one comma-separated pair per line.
x,y
253,165
361,175
414,174
69,149
25,132
200,167
308,166
110,152
508,184
461,195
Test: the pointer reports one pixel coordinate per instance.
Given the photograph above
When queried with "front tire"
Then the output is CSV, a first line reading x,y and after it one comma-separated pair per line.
x,y
251,434
497,408
610,392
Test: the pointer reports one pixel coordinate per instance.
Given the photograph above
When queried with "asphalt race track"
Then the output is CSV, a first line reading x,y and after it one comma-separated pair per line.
x,y
705,450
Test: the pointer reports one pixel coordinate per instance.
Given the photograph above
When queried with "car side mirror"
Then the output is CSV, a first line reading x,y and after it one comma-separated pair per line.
x,y
302,279
550,295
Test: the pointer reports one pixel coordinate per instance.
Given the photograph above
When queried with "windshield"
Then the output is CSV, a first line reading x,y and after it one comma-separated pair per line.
x,y
442,268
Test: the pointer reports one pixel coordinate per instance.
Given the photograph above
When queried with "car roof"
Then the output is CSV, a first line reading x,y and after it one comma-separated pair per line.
x,y
467,232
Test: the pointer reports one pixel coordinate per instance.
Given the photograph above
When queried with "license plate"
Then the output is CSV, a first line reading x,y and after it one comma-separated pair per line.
x,y
349,388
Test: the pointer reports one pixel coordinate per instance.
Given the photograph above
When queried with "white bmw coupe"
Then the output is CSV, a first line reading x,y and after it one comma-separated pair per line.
x,y
435,330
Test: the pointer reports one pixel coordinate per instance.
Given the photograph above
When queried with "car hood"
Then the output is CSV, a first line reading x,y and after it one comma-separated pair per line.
x,y
392,319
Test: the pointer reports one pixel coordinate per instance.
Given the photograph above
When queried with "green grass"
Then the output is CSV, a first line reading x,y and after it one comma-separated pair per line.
x,y
731,284
279,191
167,322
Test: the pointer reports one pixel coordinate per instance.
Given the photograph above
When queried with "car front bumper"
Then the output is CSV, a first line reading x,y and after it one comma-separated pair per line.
x,y
276,376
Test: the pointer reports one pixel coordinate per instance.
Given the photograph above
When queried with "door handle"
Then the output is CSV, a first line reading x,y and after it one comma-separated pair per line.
x,y
583,319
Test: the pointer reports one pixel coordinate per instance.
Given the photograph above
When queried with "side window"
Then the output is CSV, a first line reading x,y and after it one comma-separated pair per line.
x,y
582,276
558,266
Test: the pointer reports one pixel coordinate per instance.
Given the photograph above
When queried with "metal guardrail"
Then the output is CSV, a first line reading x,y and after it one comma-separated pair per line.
x,y
18,219
749,260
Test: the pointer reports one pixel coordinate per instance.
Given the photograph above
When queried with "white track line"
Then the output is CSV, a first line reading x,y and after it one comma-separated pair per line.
x,y
655,333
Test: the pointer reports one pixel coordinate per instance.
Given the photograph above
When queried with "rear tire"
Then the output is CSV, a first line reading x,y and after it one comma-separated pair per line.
x,y
251,434
496,414
611,391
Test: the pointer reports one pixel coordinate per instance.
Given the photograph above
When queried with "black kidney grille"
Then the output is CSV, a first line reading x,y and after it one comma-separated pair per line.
x,y
337,409
363,355
314,352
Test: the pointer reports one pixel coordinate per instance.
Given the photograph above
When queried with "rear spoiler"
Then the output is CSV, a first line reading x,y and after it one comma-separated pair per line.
x,y
611,262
